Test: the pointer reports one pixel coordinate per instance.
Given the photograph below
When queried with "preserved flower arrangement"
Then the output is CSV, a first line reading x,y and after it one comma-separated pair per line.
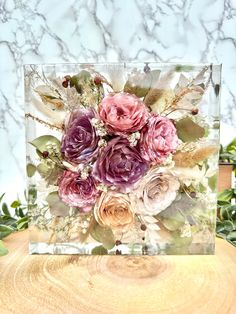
x,y
122,158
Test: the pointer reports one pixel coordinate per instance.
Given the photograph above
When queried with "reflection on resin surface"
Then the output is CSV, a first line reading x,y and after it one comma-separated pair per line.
x,y
122,158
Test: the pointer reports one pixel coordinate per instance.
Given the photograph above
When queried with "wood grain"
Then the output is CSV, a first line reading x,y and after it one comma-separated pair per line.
x,y
116,284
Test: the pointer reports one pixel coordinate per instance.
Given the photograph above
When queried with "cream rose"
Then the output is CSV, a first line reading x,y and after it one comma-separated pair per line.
x,y
114,210
156,191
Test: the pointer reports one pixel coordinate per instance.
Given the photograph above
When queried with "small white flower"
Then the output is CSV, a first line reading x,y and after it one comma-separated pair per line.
x,y
133,138
102,143
102,187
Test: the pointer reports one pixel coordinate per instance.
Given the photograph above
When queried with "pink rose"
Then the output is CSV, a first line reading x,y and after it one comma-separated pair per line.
x,y
75,191
158,139
123,113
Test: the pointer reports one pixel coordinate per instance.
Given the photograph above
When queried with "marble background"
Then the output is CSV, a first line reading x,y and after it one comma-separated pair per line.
x,y
42,31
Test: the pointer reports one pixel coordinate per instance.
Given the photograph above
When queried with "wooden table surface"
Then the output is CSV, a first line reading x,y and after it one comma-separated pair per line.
x,y
116,284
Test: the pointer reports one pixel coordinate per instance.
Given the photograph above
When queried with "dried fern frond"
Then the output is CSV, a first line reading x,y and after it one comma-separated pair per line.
x,y
192,158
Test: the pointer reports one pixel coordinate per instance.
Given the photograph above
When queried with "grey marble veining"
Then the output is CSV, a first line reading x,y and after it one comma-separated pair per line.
x,y
93,31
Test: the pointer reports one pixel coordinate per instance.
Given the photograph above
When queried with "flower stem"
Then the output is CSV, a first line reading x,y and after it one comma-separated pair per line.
x,y
51,126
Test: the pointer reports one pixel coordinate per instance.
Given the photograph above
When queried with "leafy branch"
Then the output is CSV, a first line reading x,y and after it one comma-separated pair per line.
x,y
11,223
228,153
226,220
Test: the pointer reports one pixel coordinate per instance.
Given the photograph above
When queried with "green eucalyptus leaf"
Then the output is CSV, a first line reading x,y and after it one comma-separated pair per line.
x,y
22,223
228,225
232,213
99,250
41,142
231,236
5,231
188,130
5,209
224,214
30,170
56,206
8,221
219,227
15,204
225,196
103,235
231,147
3,249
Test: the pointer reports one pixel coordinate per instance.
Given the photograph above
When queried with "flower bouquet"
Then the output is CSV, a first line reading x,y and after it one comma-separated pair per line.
x,y
122,158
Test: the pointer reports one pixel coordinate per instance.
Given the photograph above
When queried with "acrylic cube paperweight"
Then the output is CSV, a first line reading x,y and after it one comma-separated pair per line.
x,y
122,158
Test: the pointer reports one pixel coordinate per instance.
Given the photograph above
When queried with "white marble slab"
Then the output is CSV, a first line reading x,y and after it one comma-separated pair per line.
x,y
90,31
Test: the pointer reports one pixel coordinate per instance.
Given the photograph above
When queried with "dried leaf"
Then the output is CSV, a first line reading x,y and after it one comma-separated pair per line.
x,y
159,99
49,174
116,75
56,206
139,83
182,83
201,77
188,130
50,97
162,96
103,235
30,170
99,250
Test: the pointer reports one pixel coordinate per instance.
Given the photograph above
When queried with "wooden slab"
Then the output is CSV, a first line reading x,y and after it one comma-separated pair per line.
x,y
116,284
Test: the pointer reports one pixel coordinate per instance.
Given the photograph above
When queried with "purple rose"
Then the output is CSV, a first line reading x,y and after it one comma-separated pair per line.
x,y
80,141
119,164
75,191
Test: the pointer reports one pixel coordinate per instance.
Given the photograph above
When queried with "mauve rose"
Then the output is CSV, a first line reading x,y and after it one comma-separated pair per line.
x,y
155,192
75,191
123,113
114,210
158,139
80,141
119,164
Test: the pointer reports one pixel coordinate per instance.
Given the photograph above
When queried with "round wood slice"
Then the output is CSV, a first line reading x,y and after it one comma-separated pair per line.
x,y
116,284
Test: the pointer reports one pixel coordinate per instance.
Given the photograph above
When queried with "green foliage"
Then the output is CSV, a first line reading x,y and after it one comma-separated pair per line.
x,y
226,220
41,143
228,153
9,223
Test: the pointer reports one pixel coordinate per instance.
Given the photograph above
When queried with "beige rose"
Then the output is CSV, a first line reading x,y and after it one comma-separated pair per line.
x,y
156,191
114,210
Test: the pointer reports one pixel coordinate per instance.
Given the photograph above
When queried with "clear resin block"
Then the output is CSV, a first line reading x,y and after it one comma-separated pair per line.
x,y
122,158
